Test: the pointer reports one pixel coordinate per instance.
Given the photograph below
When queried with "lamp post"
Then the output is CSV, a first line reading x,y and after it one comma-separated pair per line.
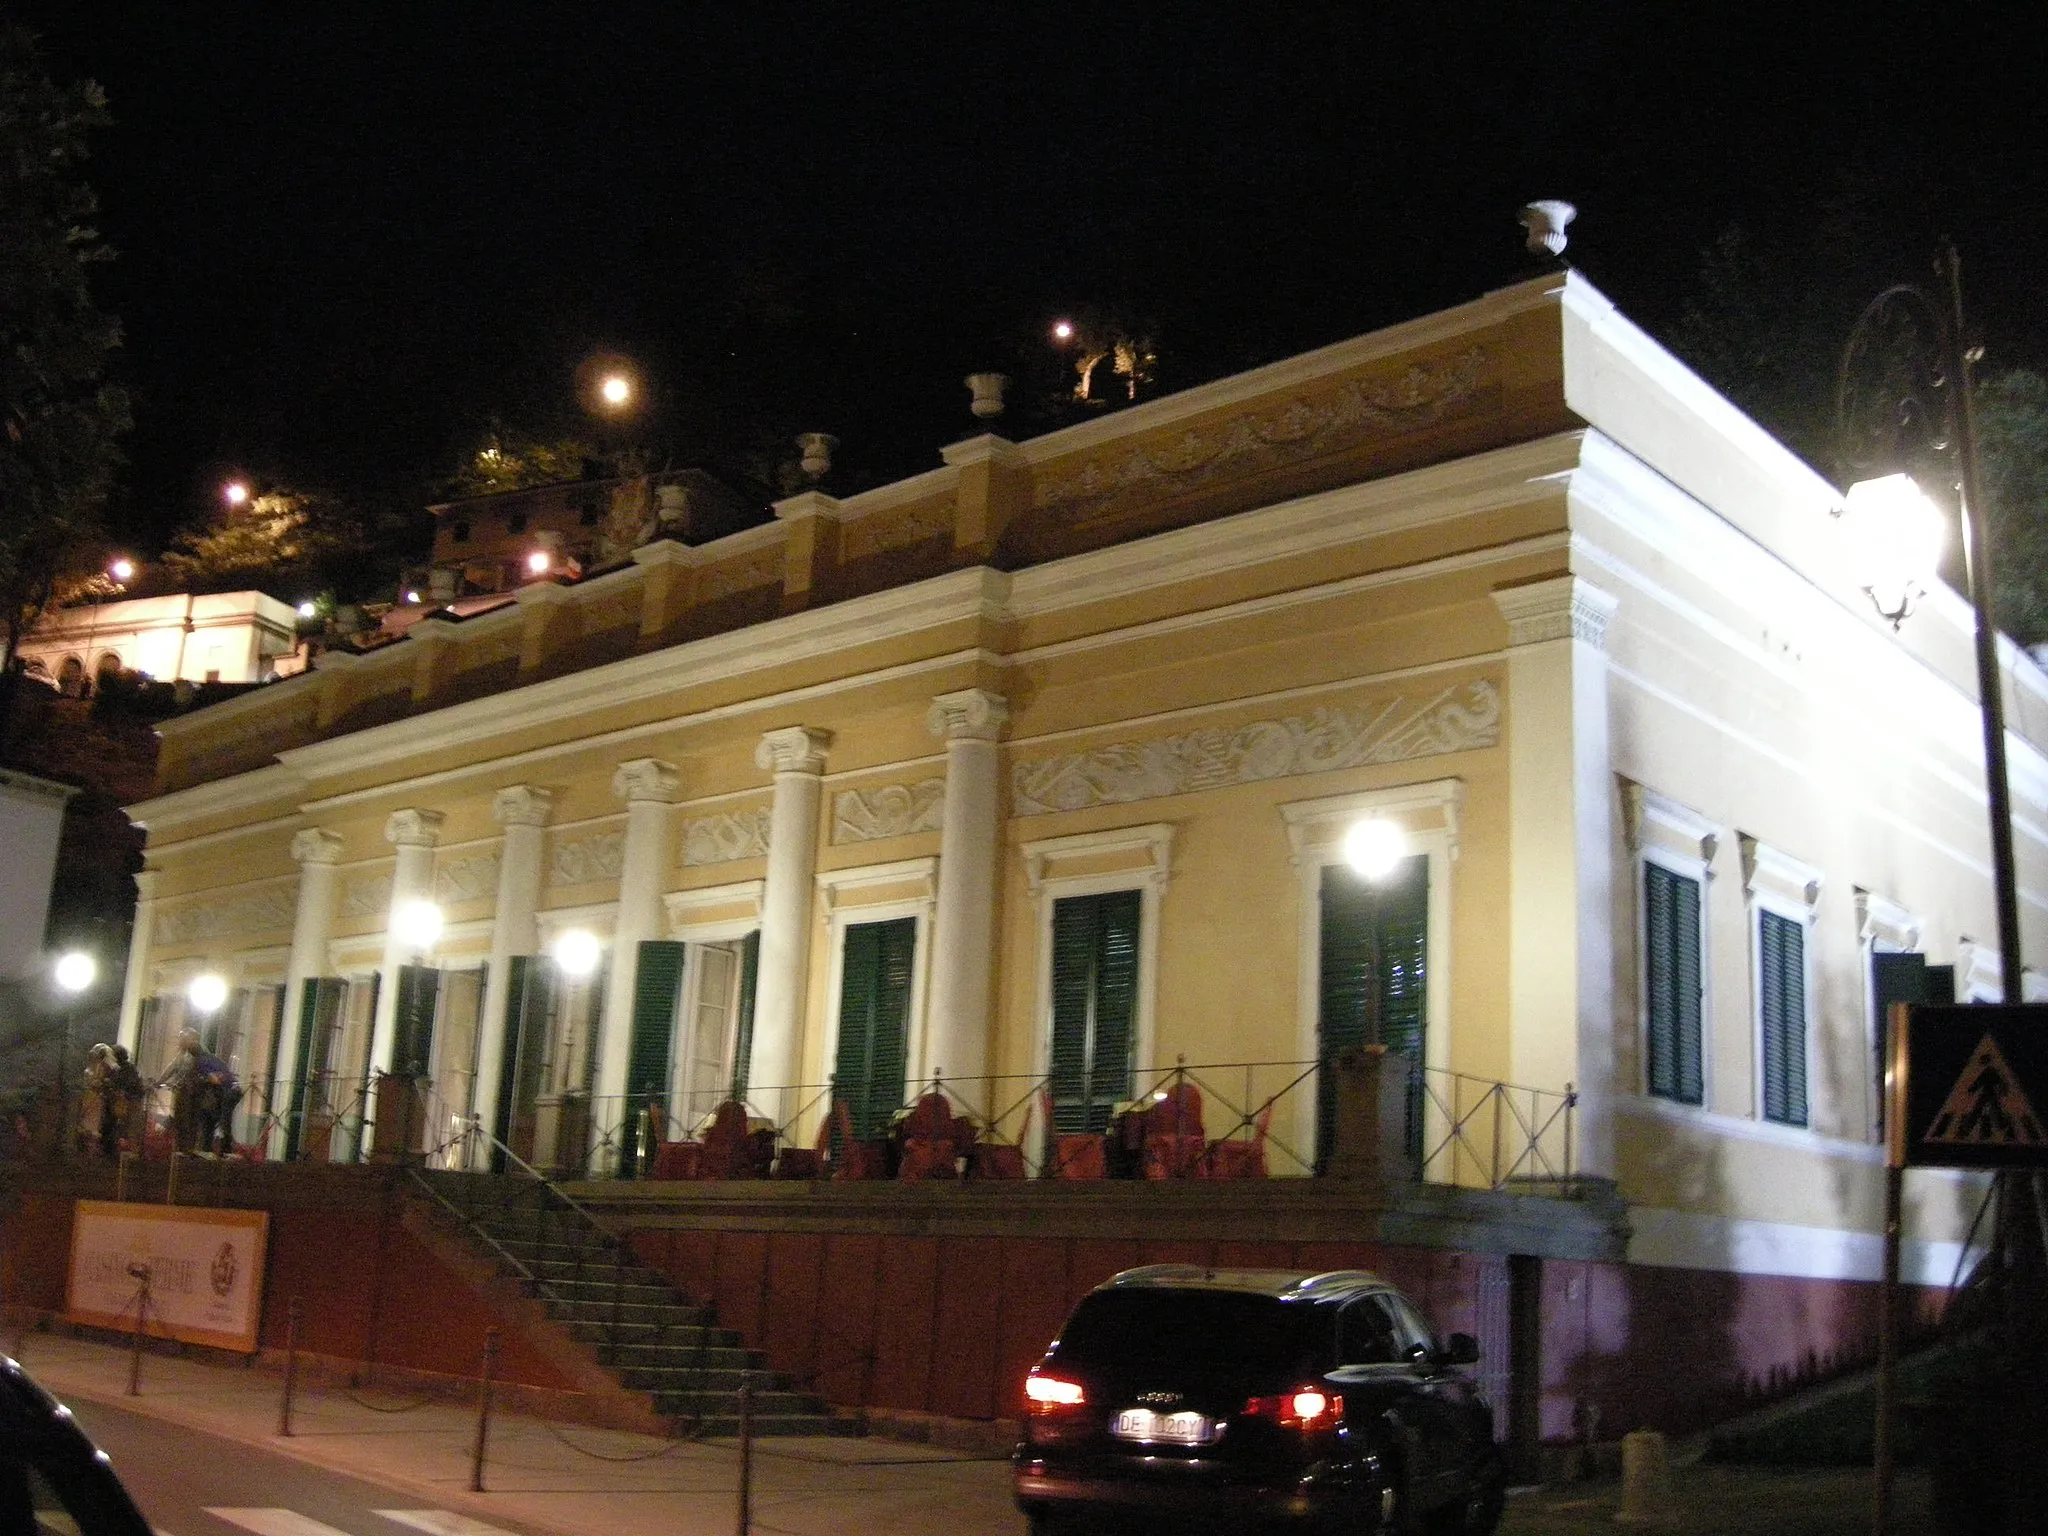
x,y
74,971
1903,401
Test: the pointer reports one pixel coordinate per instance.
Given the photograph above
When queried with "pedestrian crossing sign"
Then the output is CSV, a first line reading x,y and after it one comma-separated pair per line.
x,y
1965,1086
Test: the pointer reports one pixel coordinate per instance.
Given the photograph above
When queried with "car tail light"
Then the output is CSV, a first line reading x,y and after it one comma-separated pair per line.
x,y
1305,1408
1052,1394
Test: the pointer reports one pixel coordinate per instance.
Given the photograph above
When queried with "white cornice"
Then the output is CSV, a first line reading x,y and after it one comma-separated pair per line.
x,y
1467,487
1290,373
958,596
238,793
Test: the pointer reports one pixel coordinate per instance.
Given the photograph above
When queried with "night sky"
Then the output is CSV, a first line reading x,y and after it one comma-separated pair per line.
x,y
351,235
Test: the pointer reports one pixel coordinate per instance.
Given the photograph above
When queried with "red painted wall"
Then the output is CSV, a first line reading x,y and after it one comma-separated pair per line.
x,y
951,1325
371,1290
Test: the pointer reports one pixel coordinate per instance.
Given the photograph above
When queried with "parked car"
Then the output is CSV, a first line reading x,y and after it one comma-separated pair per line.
x,y
53,1478
1177,1395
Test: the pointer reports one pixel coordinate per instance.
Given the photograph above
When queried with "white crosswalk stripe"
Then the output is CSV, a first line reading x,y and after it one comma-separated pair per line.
x,y
275,1522
441,1522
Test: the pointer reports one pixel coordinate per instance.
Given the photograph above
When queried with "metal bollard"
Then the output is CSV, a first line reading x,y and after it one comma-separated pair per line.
x,y
483,1410
171,1183
141,1273
746,1452
121,1160
1645,1480
292,1314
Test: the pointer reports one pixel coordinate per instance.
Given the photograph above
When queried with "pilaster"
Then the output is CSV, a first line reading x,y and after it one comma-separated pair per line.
x,y
522,810
414,833
811,554
994,487
317,852
648,786
1562,1016
135,980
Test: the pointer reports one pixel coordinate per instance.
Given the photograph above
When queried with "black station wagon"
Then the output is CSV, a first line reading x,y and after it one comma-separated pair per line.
x,y
1177,1396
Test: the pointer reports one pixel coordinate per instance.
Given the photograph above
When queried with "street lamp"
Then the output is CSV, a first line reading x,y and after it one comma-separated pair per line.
x,y
418,924
206,992
74,972
1374,847
1896,534
577,952
1903,397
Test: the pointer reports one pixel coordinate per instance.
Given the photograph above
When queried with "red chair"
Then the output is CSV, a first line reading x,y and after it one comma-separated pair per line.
x,y
847,1158
931,1140
733,1150
1071,1156
1175,1147
1232,1159
1000,1159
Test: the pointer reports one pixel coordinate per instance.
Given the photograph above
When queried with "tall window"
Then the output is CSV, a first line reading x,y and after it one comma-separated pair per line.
x,y
1094,1006
1374,973
1672,985
1781,1013
874,1013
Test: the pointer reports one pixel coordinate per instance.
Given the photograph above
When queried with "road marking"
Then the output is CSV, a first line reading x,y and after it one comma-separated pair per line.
x,y
275,1522
441,1522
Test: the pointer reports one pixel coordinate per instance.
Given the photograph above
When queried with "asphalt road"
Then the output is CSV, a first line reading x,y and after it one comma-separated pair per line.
x,y
185,1479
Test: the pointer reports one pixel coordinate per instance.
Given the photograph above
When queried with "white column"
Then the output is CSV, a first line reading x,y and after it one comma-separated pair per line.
x,y
312,927
414,833
648,786
797,757
964,927
135,980
1561,883
522,810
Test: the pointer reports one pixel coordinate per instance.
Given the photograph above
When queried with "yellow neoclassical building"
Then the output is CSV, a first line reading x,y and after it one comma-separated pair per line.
x,y
1034,774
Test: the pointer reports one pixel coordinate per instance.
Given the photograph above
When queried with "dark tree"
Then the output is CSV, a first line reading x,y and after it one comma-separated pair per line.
x,y
59,416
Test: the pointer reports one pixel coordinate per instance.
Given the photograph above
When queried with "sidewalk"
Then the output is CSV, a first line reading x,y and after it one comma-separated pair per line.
x,y
552,1477
556,1478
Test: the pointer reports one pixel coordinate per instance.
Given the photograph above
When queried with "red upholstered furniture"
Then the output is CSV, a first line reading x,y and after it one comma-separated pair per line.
x,y
931,1140
731,1149
847,1158
1071,1156
988,1159
1175,1147
1232,1159
678,1160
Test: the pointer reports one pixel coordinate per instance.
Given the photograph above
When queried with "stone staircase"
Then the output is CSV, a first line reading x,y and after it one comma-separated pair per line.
x,y
630,1319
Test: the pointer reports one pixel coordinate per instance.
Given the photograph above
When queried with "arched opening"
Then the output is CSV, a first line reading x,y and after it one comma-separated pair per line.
x,y
71,677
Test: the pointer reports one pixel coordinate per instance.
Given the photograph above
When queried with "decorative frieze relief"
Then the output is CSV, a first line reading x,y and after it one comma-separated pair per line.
x,y
879,531
1307,426
889,810
749,571
366,895
1457,719
726,837
262,911
472,878
583,860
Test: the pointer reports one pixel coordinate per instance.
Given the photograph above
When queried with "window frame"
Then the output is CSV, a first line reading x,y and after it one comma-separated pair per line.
x,y
842,891
1785,887
1151,843
1429,813
1883,927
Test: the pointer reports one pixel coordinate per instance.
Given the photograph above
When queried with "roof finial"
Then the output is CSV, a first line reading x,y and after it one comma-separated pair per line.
x,y
1545,220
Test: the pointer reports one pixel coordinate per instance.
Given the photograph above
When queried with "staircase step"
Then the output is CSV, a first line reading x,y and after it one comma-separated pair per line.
x,y
605,1292
727,1426
686,1350
718,1381
670,1314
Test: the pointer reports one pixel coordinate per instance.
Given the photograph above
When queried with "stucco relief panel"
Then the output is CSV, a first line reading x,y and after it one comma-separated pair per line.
x,y
888,810
260,911
1310,424
582,860
366,895
473,877
1456,719
726,837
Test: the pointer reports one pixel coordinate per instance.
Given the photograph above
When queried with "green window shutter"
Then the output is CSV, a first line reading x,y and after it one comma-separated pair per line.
x,y
528,1004
657,984
320,1003
1094,1007
1672,979
1895,978
1781,994
1373,978
743,1036
874,1007
412,1044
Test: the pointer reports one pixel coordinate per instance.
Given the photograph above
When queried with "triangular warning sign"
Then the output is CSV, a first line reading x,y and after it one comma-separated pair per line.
x,y
1987,1107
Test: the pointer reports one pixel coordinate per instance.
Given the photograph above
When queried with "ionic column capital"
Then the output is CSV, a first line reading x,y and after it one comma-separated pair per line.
x,y
315,846
794,749
646,778
414,828
972,714
522,805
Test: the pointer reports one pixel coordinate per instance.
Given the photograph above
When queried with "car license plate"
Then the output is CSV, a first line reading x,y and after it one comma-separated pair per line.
x,y
1147,1427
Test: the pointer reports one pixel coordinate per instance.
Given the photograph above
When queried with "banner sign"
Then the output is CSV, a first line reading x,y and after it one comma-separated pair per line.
x,y
1967,1086
205,1270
